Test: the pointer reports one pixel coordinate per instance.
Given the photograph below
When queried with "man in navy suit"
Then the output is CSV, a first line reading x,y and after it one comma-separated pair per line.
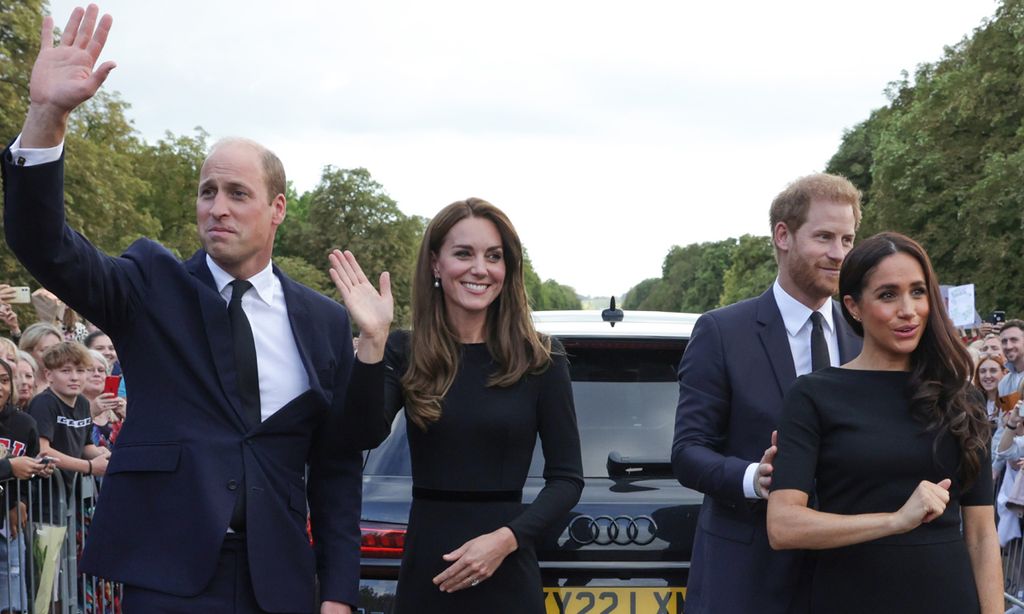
x,y
248,409
739,363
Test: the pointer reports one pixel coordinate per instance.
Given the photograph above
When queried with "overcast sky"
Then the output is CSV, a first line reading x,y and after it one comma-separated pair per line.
x,y
607,131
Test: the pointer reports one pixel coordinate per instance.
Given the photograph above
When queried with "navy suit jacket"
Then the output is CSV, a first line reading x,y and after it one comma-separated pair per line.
x,y
179,460
734,373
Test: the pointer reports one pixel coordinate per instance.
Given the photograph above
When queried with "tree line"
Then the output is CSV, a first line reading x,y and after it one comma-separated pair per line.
x,y
118,187
942,162
702,276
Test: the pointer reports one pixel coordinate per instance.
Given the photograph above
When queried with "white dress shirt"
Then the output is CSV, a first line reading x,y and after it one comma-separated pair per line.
x,y
32,157
282,376
796,317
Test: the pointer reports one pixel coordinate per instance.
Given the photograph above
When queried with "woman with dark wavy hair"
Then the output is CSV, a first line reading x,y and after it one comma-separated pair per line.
x,y
894,444
478,384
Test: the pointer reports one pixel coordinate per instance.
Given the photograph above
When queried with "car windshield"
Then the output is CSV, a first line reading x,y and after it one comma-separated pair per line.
x,y
625,393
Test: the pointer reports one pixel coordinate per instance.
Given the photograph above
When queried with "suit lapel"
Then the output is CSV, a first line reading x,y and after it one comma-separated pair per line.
x,y
218,330
775,341
302,325
849,343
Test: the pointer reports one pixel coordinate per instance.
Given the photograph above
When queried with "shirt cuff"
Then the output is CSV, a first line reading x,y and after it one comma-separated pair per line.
x,y
748,481
24,156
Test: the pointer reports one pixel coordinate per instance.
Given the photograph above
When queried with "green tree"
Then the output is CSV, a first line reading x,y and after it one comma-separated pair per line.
x,y
945,158
19,43
349,210
307,274
170,169
635,296
856,155
557,296
532,282
691,279
549,295
101,186
753,269
699,274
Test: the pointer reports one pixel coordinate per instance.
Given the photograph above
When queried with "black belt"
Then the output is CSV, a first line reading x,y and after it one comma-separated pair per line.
x,y
433,494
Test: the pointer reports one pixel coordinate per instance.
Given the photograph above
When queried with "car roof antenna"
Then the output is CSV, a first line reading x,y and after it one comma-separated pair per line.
x,y
612,315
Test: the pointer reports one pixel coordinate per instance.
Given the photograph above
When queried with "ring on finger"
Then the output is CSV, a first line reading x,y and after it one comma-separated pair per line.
x,y
474,581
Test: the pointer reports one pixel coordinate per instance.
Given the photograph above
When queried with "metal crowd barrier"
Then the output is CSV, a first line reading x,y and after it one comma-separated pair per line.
x,y
39,560
1013,573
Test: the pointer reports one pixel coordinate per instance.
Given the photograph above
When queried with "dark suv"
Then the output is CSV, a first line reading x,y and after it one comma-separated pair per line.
x,y
625,548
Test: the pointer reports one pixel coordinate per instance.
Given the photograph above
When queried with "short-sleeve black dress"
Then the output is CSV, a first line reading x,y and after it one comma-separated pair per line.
x,y
468,471
847,436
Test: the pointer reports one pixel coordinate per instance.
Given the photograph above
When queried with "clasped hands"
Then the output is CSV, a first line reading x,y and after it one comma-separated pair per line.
x,y
476,560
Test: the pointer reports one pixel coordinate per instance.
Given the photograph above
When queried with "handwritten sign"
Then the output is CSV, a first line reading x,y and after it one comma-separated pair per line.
x,y
961,305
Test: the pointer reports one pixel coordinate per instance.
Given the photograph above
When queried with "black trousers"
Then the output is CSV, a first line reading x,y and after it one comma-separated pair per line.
x,y
229,592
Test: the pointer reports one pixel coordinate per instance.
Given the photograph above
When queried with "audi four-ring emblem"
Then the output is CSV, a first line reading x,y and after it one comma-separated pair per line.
x,y
620,530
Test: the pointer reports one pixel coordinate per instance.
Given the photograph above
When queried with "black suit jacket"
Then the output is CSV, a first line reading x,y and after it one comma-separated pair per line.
x,y
182,454
736,369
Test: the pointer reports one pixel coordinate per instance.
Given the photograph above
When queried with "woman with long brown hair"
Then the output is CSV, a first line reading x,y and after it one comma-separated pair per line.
x,y
478,385
895,446
990,369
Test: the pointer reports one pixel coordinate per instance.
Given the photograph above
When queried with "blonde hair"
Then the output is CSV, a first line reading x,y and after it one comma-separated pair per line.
x,y
26,358
35,333
100,358
8,347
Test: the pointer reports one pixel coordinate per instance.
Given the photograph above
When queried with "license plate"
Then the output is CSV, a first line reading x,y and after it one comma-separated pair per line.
x,y
600,600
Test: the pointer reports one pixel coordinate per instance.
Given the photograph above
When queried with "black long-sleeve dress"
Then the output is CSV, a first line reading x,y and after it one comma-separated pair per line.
x,y
848,436
468,472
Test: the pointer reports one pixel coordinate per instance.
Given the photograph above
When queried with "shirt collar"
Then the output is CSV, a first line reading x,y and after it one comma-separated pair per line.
x,y
795,314
265,283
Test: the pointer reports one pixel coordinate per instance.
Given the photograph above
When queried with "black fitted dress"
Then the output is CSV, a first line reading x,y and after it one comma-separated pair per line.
x,y
468,472
848,436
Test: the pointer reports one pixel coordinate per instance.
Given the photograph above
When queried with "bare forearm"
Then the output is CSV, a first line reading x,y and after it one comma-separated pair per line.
x,y
988,578
983,550
44,127
1007,439
799,527
371,348
64,461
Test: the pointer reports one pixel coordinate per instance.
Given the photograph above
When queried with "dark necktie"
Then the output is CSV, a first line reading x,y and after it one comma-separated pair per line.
x,y
245,354
819,346
248,380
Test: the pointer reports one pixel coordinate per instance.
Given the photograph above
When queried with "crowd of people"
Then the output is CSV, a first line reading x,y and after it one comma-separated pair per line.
x,y
55,413
998,354
849,450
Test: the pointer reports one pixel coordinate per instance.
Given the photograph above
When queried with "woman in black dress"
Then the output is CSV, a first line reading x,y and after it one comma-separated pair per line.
x,y
895,447
478,385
